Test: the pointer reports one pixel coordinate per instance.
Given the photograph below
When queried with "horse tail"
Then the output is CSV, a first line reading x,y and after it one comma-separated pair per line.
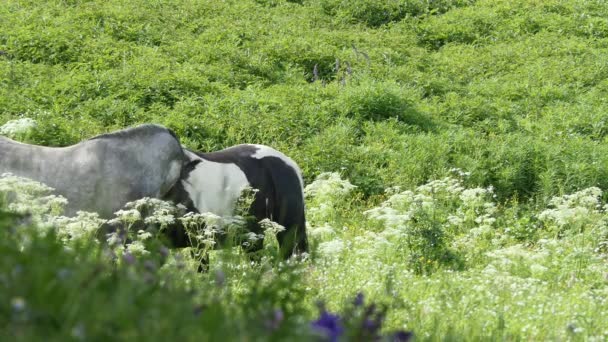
x,y
289,207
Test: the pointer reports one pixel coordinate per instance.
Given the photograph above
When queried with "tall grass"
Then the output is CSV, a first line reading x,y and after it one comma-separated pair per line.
x,y
488,116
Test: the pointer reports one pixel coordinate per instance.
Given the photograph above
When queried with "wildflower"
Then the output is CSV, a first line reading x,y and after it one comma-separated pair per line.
x,y
161,219
275,321
328,184
326,192
208,243
473,196
15,128
198,310
573,208
455,220
63,273
114,239
538,269
573,328
358,299
137,248
18,304
271,227
460,172
329,325
401,336
331,248
163,251
322,231
143,235
128,258
149,265
130,215
78,332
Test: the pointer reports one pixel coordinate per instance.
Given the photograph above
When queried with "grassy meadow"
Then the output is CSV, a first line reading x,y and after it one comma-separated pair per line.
x,y
455,154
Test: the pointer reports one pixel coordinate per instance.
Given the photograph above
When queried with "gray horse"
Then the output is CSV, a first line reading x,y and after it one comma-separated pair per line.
x,y
101,174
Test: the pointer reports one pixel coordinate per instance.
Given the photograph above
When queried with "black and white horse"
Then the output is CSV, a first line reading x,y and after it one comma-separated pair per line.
x,y
213,182
101,174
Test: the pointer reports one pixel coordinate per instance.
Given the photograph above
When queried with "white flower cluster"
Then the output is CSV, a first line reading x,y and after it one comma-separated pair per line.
x,y
204,228
331,248
81,227
151,211
518,259
328,184
446,199
323,232
18,127
24,195
326,192
157,211
574,209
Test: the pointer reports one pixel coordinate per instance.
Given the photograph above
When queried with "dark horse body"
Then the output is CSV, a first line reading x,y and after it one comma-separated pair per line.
x,y
212,182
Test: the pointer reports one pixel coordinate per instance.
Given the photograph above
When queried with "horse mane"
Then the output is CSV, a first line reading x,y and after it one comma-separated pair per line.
x,y
134,132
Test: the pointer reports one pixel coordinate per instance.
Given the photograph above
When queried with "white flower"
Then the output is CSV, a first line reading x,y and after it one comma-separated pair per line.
x,y
473,196
323,231
162,219
130,215
271,227
14,128
391,217
137,248
143,235
455,220
113,239
331,248
538,269
328,184
253,237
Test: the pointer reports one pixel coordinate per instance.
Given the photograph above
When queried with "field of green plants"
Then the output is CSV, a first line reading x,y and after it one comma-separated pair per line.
x,y
455,154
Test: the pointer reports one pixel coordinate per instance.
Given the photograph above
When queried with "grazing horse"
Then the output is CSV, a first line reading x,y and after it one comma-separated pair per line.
x,y
213,182
101,174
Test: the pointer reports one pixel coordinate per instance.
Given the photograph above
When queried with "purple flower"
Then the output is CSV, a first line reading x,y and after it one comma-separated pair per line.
x,y
329,325
278,315
371,325
128,258
198,310
149,265
275,321
358,299
18,304
401,336
164,252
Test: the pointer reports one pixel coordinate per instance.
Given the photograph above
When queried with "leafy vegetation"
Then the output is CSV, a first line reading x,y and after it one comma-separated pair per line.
x,y
467,141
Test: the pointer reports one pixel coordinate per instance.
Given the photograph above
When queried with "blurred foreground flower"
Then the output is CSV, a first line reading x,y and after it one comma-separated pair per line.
x,y
329,325
358,322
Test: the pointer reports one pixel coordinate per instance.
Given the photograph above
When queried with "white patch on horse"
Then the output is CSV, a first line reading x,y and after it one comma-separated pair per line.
x,y
266,151
215,187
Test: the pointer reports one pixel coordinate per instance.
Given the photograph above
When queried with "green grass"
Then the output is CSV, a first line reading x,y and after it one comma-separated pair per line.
x,y
386,93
